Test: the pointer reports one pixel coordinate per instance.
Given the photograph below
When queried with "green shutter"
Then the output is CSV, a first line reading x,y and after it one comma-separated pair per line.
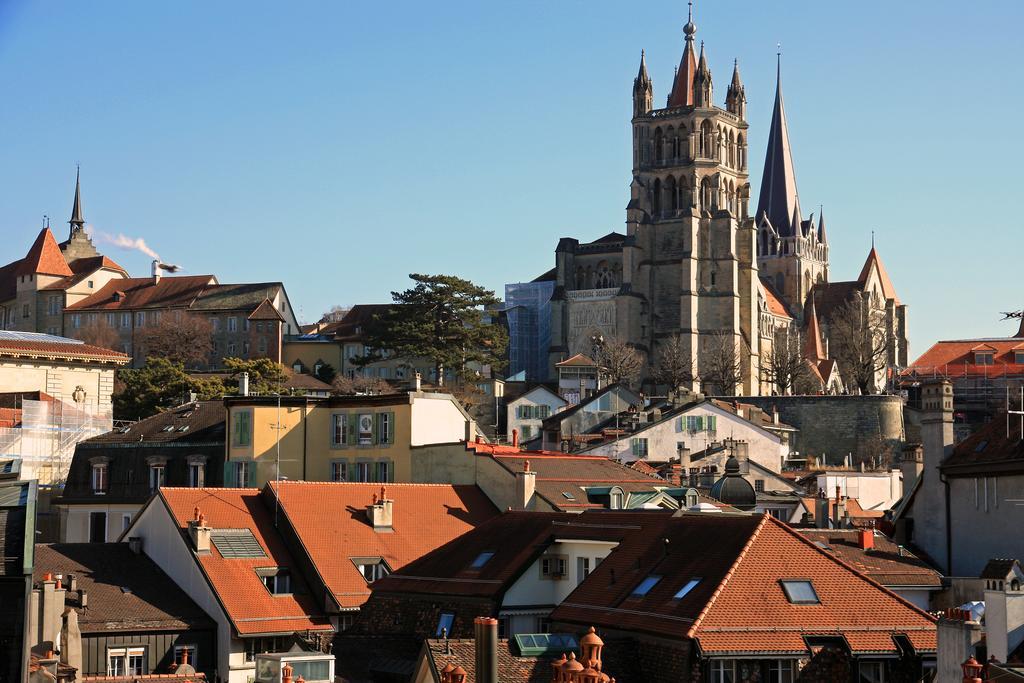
x,y
352,429
700,422
712,423
252,475
229,475
376,428
391,427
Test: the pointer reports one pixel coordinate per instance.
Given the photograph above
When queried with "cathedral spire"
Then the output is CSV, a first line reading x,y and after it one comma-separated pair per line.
x,y
702,86
813,348
779,199
77,222
643,89
821,226
736,95
682,87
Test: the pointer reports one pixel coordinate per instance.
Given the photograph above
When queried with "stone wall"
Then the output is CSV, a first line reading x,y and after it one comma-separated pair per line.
x,y
834,426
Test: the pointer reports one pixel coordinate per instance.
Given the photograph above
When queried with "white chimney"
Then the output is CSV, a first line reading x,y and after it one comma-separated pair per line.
x,y
243,384
199,532
419,382
526,484
381,512
156,271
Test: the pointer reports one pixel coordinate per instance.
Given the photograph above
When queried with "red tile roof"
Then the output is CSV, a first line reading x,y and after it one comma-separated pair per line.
x,y
773,300
251,608
426,516
739,606
997,447
54,350
44,258
138,292
886,562
266,311
888,291
955,358
578,360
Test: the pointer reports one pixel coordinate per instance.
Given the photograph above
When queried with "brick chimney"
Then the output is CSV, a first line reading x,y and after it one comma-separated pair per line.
x,y
381,512
526,484
286,673
485,630
840,508
821,510
866,538
515,438
199,532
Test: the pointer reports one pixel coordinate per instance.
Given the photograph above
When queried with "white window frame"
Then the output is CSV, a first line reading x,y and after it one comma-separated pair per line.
x,y
383,425
781,671
339,429
242,473
100,478
722,671
196,475
339,470
157,476
232,324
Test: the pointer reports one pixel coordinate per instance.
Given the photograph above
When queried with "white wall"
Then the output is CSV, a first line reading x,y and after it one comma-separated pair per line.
x,y
535,397
76,529
436,420
873,490
663,439
533,591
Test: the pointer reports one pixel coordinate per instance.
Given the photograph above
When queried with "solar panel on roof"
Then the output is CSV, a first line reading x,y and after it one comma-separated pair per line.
x,y
236,543
12,335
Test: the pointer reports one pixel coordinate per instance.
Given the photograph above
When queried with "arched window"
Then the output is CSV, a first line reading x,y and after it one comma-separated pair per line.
x,y
656,197
603,276
706,139
732,150
807,280
659,150
683,142
671,197
670,143
741,152
685,196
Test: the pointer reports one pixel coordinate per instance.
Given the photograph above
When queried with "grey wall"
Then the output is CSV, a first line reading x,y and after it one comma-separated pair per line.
x,y
159,649
836,425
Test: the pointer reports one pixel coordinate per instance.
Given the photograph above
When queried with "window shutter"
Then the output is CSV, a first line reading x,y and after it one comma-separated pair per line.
x,y
252,475
679,425
712,423
230,475
376,428
391,427
352,428
635,444
700,422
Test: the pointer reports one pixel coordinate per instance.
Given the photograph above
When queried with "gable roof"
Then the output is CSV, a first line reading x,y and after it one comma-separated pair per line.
x,y
266,311
875,261
579,360
956,357
741,556
143,292
246,602
127,591
998,568
247,296
996,447
426,516
44,258
776,304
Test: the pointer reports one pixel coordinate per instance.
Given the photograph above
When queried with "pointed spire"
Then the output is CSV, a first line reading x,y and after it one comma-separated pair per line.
x,y
77,222
779,199
641,75
821,226
682,86
702,85
643,89
813,348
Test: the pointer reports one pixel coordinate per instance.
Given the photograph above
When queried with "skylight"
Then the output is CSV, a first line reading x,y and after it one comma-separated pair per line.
x,y
689,586
800,591
568,496
444,624
646,585
482,559
236,543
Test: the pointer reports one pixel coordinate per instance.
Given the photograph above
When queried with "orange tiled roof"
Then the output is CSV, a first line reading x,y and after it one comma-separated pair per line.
x,y
850,604
49,350
956,357
248,604
426,516
44,258
774,301
578,360
142,292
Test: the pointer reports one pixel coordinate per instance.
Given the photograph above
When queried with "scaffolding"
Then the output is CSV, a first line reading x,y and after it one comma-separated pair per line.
x,y
49,432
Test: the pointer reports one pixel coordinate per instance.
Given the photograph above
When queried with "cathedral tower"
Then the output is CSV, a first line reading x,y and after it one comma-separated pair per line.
x,y
792,253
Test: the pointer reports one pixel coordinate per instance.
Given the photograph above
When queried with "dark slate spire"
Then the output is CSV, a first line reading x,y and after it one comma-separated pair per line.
x,y
779,199
643,89
641,76
682,86
77,222
702,86
821,227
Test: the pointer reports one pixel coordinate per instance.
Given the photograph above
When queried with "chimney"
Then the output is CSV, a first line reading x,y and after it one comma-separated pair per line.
x,y
840,508
486,633
911,465
286,673
821,510
243,384
381,512
685,463
526,484
156,272
515,438
71,640
419,382
134,544
83,599
867,539
199,532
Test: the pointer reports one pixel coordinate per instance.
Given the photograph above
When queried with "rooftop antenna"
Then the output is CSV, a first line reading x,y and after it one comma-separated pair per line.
x,y
872,239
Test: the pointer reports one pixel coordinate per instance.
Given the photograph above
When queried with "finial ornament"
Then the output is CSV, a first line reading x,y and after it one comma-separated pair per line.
x,y
690,27
872,239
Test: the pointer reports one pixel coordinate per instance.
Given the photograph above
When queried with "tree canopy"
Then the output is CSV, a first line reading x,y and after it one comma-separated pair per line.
x,y
441,318
158,385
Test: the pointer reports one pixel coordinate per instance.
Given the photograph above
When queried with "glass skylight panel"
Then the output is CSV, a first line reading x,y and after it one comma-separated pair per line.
x,y
235,543
482,559
687,587
800,592
646,585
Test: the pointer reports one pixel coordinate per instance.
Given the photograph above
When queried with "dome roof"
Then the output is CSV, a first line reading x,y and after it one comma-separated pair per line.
x,y
732,489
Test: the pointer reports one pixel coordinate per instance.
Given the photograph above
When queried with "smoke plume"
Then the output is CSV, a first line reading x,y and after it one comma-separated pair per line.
x,y
125,242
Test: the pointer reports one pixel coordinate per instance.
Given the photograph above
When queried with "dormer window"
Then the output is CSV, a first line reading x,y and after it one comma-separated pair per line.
x,y
984,357
1018,357
278,580
371,568
100,478
615,499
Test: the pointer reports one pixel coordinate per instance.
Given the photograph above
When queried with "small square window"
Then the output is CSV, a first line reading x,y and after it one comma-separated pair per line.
x,y
646,585
800,592
482,559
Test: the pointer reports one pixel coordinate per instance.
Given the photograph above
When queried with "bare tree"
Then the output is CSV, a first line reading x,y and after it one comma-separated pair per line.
x,y
721,364
618,361
181,337
350,386
675,363
786,368
99,334
335,314
859,341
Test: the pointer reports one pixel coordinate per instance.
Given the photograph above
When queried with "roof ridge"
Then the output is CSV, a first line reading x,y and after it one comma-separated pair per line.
x,y
690,633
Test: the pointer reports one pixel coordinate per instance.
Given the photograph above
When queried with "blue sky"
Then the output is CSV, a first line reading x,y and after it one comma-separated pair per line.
x,y
339,146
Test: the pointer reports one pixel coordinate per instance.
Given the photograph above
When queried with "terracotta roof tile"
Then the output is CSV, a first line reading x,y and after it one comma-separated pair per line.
x,y
44,258
955,358
512,668
70,350
773,300
996,446
886,562
249,605
579,360
426,516
888,291
144,293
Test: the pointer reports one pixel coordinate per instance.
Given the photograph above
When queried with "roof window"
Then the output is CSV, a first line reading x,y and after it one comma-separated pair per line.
x,y
568,496
482,559
646,585
236,543
800,591
687,587
444,624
